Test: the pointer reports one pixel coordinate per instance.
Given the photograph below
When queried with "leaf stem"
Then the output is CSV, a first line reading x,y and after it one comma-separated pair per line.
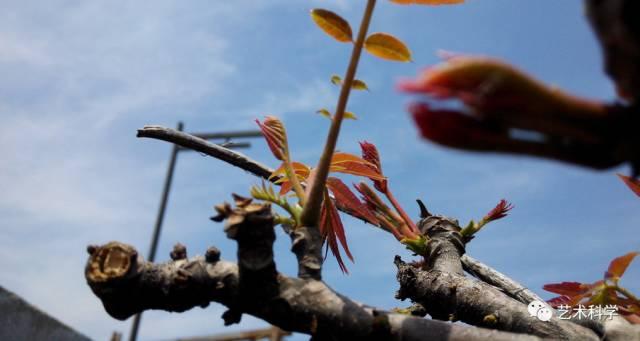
x,y
293,178
401,211
627,293
311,211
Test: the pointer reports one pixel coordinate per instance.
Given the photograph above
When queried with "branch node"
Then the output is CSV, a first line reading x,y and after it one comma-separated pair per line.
x,y
306,244
212,255
91,249
231,317
424,212
179,252
381,326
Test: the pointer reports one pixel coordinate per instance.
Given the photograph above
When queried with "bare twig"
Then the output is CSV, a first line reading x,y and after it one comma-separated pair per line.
x,y
192,142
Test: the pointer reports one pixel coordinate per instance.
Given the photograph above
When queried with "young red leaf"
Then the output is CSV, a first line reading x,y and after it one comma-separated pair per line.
x,y
498,212
345,198
559,300
351,164
332,230
619,265
276,136
455,129
493,89
356,168
388,218
370,154
567,288
632,183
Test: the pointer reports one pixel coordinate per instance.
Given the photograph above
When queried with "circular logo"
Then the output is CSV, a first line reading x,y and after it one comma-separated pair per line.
x,y
544,314
534,307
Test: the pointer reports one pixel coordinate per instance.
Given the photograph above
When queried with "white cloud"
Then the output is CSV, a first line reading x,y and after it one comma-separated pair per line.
x,y
307,97
74,74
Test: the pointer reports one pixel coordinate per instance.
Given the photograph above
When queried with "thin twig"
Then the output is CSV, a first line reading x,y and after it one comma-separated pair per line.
x,y
192,142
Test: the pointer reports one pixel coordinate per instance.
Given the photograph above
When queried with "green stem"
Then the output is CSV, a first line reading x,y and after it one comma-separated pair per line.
x,y
297,187
311,211
627,293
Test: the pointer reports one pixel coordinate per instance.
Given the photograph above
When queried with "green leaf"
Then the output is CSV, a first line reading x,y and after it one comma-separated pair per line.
x,y
359,85
348,115
325,113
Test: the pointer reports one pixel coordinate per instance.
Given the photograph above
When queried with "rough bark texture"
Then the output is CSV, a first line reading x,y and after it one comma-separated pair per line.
x,y
446,294
127,284
490,276
452,297
306,244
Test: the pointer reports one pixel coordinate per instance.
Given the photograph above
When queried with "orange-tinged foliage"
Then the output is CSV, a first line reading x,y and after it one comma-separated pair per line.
x,y
602,292
386,46
619,265
490,86
330,223
632,183
276,136
332,24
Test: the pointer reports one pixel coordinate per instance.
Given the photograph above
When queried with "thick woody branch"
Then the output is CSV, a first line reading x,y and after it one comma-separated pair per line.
x,y
251,225
454,297
446,294
491,276
445,244
127,284
306,244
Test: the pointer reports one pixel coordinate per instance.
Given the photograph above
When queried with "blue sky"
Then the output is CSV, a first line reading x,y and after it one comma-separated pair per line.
x,y
78,79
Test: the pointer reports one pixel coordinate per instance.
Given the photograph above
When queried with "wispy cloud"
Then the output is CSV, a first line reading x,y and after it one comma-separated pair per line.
x,y
78,78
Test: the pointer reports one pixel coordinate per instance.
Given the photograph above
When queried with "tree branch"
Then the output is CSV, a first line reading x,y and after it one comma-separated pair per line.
x,y
440,298
192,142
445,244
460,298
484,272
491,276
127,284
